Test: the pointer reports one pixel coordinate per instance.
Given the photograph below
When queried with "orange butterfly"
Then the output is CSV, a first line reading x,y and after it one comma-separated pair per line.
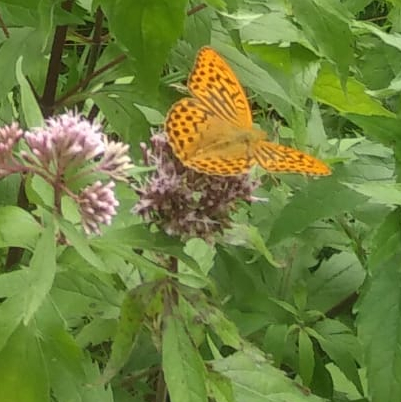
x,y
212,132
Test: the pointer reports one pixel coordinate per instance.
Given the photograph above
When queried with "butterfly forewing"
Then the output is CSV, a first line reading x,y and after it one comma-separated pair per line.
x,y
215,84
186,125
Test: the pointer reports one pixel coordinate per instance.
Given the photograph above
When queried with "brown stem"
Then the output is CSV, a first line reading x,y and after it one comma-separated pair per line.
x,y
4,28
196,9
53,71
344,305
96,40
161,388
83,83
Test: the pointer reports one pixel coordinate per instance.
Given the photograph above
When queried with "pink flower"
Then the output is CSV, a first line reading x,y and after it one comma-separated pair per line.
x,y
97,206
9,136
65,141
184,202
115,160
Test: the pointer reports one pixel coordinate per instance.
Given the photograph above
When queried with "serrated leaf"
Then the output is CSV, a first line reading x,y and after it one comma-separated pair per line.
x,y
321,198
256,380
378,192
387,240
139,237
255,77
335,280
220,387
391,39
224,328
339,353
183,367
328,90
379,328
386,130
269,28
323,20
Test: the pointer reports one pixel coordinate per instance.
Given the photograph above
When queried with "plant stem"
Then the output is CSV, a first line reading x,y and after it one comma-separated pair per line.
x,y
53,71
4,28
196,9
84,82
96,42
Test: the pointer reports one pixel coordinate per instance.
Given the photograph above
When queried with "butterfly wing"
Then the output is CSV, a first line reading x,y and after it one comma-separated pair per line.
x,y
279,158
203,142
214,83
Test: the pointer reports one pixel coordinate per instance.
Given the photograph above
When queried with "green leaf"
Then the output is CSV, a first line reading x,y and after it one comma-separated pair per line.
x,y
132,315
33,115
255,77
11,314
12,282
80,243
328,90
23,371
124,117
224,328
23,42
386,130
321,198
391,39
254,379
378,192
325,23
306,357
183,367
275,341
139,237
220,387
148,29
335,280
386,240
42,270
334,340
270,28
379,327
18,228
249,236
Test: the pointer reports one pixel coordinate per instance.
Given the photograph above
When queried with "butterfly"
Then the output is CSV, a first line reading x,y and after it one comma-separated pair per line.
x,y
211,132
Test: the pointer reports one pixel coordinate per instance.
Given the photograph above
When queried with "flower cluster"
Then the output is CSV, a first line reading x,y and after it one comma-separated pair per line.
x,y
67,152
184,202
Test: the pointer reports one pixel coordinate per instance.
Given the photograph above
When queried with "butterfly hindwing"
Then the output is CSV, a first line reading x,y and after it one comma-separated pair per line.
x,y
279,158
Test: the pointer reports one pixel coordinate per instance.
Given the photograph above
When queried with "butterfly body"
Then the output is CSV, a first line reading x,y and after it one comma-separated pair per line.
x,y
212,132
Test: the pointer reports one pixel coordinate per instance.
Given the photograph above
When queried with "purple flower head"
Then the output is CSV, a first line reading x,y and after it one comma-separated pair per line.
x,y
9,136
97,206
115,160
184,202
66,140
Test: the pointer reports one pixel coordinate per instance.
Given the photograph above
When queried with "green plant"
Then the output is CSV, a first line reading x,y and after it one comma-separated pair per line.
x,y
291,294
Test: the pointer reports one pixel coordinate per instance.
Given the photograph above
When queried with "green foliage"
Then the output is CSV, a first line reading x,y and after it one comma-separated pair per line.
x,y
299,300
